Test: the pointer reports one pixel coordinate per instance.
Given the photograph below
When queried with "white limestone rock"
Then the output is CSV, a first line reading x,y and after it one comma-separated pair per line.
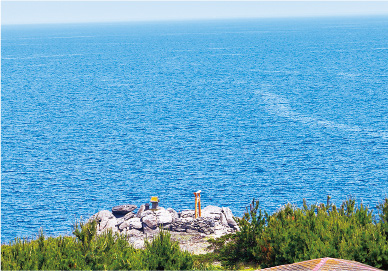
x,y
174,214
140,211
133,223
223,220
187,214
102,215
124,218
163,216
146,213
149,232
149,220
108,224
105,220
214,220
229,217
211,212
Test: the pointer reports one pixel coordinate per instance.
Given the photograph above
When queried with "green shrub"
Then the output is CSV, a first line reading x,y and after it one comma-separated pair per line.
x,y
208,261
289,235
50,253
164,254
297,234
383,207
242,246
87,251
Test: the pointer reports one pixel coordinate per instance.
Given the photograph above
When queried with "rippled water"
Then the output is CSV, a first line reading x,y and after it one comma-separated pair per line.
x,y
95,116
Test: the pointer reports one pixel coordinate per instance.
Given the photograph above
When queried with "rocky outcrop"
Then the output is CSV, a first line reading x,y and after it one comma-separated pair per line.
x,y
229,217
132,223
163,217
106,220
150,223
123,209
201,225
103,215
141,210
173,213
214,221
212,212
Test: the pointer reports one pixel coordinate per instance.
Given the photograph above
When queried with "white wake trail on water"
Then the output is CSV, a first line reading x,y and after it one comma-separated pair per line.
x,y
281,107
40,56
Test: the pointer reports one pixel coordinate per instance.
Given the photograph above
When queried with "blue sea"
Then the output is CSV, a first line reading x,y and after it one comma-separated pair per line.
x,y
98,115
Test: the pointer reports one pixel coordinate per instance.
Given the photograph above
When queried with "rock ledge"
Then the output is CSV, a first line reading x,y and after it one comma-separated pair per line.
x,y
214,222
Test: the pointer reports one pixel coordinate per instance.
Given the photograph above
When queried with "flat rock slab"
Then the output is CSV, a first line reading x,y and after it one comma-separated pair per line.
x,y
123,209
215,221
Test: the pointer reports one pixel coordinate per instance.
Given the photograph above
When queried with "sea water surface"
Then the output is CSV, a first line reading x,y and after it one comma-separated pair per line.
x,y
98,115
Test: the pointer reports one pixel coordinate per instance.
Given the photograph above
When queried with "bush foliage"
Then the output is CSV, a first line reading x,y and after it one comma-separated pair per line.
x,y
289,235
297,234
162,254
87,251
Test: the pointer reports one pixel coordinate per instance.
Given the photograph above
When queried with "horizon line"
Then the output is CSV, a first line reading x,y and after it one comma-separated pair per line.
x,y
171,20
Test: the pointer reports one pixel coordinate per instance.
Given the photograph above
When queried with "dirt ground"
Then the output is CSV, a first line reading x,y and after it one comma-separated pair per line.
x,y
193,243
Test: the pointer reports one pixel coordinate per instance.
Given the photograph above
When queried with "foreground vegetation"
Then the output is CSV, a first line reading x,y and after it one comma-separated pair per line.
x,y
292,235
287,236
87,251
